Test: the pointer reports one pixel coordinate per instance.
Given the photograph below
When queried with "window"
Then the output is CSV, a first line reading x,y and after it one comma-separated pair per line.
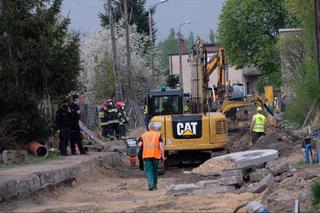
x,y
165,105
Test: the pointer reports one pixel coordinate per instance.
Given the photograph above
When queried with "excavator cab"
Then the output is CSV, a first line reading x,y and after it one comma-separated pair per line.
x,y
165,102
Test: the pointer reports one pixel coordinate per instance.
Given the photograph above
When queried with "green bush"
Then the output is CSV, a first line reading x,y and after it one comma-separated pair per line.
x,y
20,121
315,188
307,89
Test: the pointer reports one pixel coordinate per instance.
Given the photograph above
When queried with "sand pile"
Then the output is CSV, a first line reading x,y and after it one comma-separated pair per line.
x,y
215,165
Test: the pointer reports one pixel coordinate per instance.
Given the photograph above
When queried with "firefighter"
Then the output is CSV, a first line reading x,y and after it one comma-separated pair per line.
x,y
146,116
103,115
123,119
63,124
75,128
110,120
113,119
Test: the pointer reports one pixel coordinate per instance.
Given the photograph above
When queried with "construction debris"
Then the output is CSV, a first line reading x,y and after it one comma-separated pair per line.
x,y
14,156
257,176
263,184
215,165
280,169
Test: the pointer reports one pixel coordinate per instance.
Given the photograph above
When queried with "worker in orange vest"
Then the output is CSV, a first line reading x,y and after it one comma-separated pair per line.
x,y
153,151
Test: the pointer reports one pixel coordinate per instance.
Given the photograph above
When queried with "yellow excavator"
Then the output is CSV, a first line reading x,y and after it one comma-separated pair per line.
x,y
199,129
195,131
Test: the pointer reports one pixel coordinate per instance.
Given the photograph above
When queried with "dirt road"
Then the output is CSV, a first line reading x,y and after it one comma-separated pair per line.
x,y
124,190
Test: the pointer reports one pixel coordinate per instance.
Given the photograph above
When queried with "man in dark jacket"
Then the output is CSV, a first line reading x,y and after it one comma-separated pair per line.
x,y
63,123
75,128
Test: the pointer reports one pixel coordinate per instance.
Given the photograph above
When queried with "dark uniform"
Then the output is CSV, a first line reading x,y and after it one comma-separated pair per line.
x,y
123,122
113,121
109,117
104,121
63,123
75,131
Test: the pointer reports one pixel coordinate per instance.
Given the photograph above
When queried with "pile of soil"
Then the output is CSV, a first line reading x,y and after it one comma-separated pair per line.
x,y
273,140
215,165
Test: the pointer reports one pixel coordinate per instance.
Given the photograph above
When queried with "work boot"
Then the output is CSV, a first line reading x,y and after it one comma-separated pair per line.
x,y
150,188
84,153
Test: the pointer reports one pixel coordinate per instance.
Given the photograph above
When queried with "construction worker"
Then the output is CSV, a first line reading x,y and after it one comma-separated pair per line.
x,y
152,151
75,128
258,125
103,115
123,119
186,107
63,124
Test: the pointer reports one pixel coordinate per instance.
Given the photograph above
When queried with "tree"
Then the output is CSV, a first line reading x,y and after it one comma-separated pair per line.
x,y
299,54
189,42
39,59
95,54
248,31
166,47
212,37
138,15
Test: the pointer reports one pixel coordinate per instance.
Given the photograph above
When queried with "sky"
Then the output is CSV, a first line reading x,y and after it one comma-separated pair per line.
x,y
203,15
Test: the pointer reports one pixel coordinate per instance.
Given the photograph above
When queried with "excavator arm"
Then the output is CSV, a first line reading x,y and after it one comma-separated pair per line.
x,y
217,61
257,101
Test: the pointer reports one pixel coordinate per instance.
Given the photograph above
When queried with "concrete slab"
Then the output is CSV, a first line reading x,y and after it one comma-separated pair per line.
x,y
263,184
257,176
26,180
14,156
252,158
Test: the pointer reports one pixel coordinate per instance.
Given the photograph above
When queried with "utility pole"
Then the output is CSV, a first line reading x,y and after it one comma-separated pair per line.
x,y
126,19
151,41
180,60
119,96
180,54
317,21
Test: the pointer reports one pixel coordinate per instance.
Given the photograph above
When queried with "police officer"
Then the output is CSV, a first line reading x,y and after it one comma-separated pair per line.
x,y
75,128
258,125
123,119
63,124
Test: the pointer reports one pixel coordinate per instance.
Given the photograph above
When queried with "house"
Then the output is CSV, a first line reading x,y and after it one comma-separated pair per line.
x,y
248,76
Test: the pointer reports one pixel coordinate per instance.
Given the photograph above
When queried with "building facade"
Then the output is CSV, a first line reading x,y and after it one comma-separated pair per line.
x,y
248,76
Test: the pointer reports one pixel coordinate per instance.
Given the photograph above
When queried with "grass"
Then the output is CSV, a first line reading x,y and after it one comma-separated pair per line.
x,y
315,189
300,165
31,159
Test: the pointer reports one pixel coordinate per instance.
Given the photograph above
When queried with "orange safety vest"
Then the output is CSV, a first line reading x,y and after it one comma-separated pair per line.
x,y
151,145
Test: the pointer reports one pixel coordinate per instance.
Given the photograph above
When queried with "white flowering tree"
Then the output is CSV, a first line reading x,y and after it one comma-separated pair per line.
x,y
97,70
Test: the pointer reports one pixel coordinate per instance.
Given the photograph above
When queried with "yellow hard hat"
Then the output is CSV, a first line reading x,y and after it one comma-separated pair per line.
x,y
259,109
